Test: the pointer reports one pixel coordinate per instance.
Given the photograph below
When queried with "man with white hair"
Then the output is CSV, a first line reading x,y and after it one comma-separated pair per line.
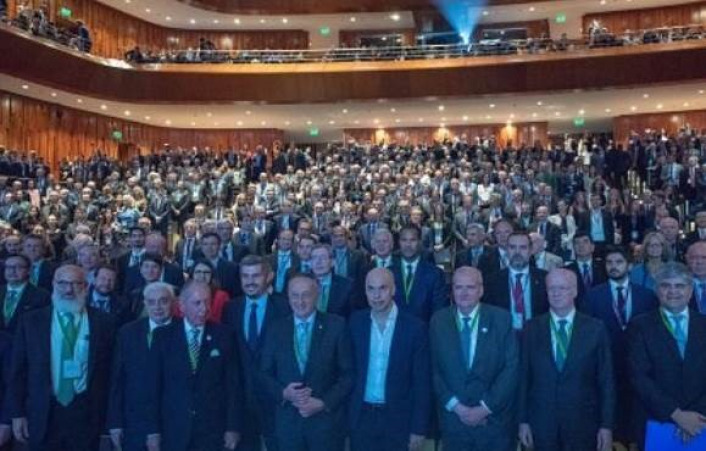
x,y
60,343
544,259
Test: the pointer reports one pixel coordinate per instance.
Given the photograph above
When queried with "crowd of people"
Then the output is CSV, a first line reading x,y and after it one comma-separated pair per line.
x,y
380,295
36,21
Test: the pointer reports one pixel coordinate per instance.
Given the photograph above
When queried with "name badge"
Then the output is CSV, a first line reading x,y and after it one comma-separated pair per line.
x,y
517,321
71,369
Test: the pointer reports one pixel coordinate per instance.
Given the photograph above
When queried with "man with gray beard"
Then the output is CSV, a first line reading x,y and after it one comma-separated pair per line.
x,y
70,345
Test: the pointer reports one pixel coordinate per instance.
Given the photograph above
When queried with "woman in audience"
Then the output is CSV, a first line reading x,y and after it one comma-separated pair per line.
x,y
654,254
203,271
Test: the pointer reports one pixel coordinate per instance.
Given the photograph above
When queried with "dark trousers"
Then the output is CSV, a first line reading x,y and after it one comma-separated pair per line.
x,y
252,436
371,433
319,433
493,436
69,428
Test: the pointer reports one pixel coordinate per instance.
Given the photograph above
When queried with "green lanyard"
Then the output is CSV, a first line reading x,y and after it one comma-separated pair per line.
x,y
472,326
559,343
408,282
667,323
69,334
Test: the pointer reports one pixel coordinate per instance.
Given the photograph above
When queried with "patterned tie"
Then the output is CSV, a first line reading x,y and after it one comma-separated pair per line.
x,y
408,281
194,349
282,267
34,276
518,296
252,327
622,307
679,333
562,344
11,301
322,305
586,274
66,392
302,349
466,340
702,298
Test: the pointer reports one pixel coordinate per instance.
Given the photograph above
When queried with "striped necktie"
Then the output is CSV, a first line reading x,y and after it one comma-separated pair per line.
x,y
194,349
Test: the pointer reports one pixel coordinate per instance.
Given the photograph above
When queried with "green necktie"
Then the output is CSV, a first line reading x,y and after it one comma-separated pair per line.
x,y
34,276
302,343
679,333
562,343
194,349
408,281
323,298
69,331
11,301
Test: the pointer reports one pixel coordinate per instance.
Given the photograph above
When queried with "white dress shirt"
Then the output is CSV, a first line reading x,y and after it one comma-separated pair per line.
x,y
379,357
80,359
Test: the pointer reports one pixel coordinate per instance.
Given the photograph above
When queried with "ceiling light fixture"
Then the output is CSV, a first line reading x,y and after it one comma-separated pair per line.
x,y
147,10
25,86
104,107
168,18
285,20
236,21
126,112
53,94
79,100
395,17
442,107
192,21
353,19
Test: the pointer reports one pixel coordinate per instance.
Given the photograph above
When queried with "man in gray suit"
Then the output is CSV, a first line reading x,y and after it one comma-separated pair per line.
x,y
475,364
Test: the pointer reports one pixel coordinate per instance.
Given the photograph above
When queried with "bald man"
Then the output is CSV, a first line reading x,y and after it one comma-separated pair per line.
x,y
475,364
567,388
59,344
390,407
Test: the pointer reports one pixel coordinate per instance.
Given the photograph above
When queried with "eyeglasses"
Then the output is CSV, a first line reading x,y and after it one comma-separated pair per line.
x,y
65,284
203,271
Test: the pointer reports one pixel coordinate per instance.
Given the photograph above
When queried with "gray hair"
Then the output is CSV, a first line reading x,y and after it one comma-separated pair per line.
x,y
671,270
153,287
382,231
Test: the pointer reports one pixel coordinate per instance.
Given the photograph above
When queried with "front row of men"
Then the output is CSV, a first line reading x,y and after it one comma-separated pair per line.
x,y
298,379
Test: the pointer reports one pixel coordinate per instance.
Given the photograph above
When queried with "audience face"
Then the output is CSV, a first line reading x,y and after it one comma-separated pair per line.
x,y
150,271
255,280
321,262
696,259
16,271
137,239
674,293
562,289
518,251
339,240
409,244
467,288
475,236
33,249
285,240
225,231
380,290
502,232
617,266
304,248
195,303
669,228
104,282
583,247
303,293
653,247
156,244
203,273
13,245
210,246
69,289
382,244
88,257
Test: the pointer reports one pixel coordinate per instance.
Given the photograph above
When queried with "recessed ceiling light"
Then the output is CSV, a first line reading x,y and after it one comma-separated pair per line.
x,y
216,21
147,118
356,122
287,123
557,114
25,86
216,124
395,17
168,122
582,112
376,121
209,114
660,106
240,123
168,18
126,112
128,1
147,10
486,12
53,94
248,112
193,124
332,122
645,96
540,103
79,100
441,107
192,21
512,116
236,21
488,117
263,123
421,119
397,121
532,9
608,110
392,110
285,20
492,105
534,114
633,108
104,107
465,118
308,122
603,2
344,111
263,20
701,91
686,104
353,19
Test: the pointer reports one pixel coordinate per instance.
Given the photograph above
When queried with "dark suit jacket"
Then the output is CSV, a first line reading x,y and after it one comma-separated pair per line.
x,y
552,236
173,275
661,378
228,275
198,406
340,298
583,223
179,252
493,377
274,264
126,403
119,307
329,373
428,293
598,276
122,264
31,393
465,257
489,262
5,361
32,298
408,380
497,290
279,222
578,400
46,275
256,401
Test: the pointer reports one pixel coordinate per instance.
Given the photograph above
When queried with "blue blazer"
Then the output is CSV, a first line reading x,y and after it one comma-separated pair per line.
x,y
126,401
5,351
408,379
200,406
428,293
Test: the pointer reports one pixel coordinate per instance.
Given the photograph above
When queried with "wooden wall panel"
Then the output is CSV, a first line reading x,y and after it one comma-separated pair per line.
x,y
624,126
55,131
640,19
535,28
114,32
351,38
523,133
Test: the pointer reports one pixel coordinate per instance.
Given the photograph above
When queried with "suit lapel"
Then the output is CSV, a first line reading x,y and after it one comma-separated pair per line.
x,y
545,342
668,339
482,344
205,350
365,351
574,341
317,335
44,330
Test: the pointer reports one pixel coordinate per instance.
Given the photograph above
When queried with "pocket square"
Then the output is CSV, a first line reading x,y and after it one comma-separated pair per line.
x,y
215,353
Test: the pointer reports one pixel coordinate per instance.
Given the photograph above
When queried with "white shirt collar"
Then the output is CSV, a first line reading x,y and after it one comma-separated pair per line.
x,y
391,317
524,272
472,314
614,285
684,313
569,318
154,325
188,328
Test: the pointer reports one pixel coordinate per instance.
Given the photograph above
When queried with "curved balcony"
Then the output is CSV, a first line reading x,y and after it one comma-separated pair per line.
x,y
583,69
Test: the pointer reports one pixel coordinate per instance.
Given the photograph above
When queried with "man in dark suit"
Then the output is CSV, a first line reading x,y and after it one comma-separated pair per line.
x,y
5,361
367,231
309,354
132,258
589,270
667,355
335,292
497,259
420,288
382,256
194,391
475,362
476,249
286,219
230,250
567,388
250,318
520,288
616,303
390,407
696,261
550,231
61,369
282,260
102,296
699,234
348,262
18,296
126,413
248,238
263,228
186,250
598,224
41,271
225,270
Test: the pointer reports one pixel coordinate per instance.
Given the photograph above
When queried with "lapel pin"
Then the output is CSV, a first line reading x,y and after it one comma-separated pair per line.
x,y
208,338
215,353
484,330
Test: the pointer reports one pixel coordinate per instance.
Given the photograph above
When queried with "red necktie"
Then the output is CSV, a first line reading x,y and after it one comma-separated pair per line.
x,y
518,296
